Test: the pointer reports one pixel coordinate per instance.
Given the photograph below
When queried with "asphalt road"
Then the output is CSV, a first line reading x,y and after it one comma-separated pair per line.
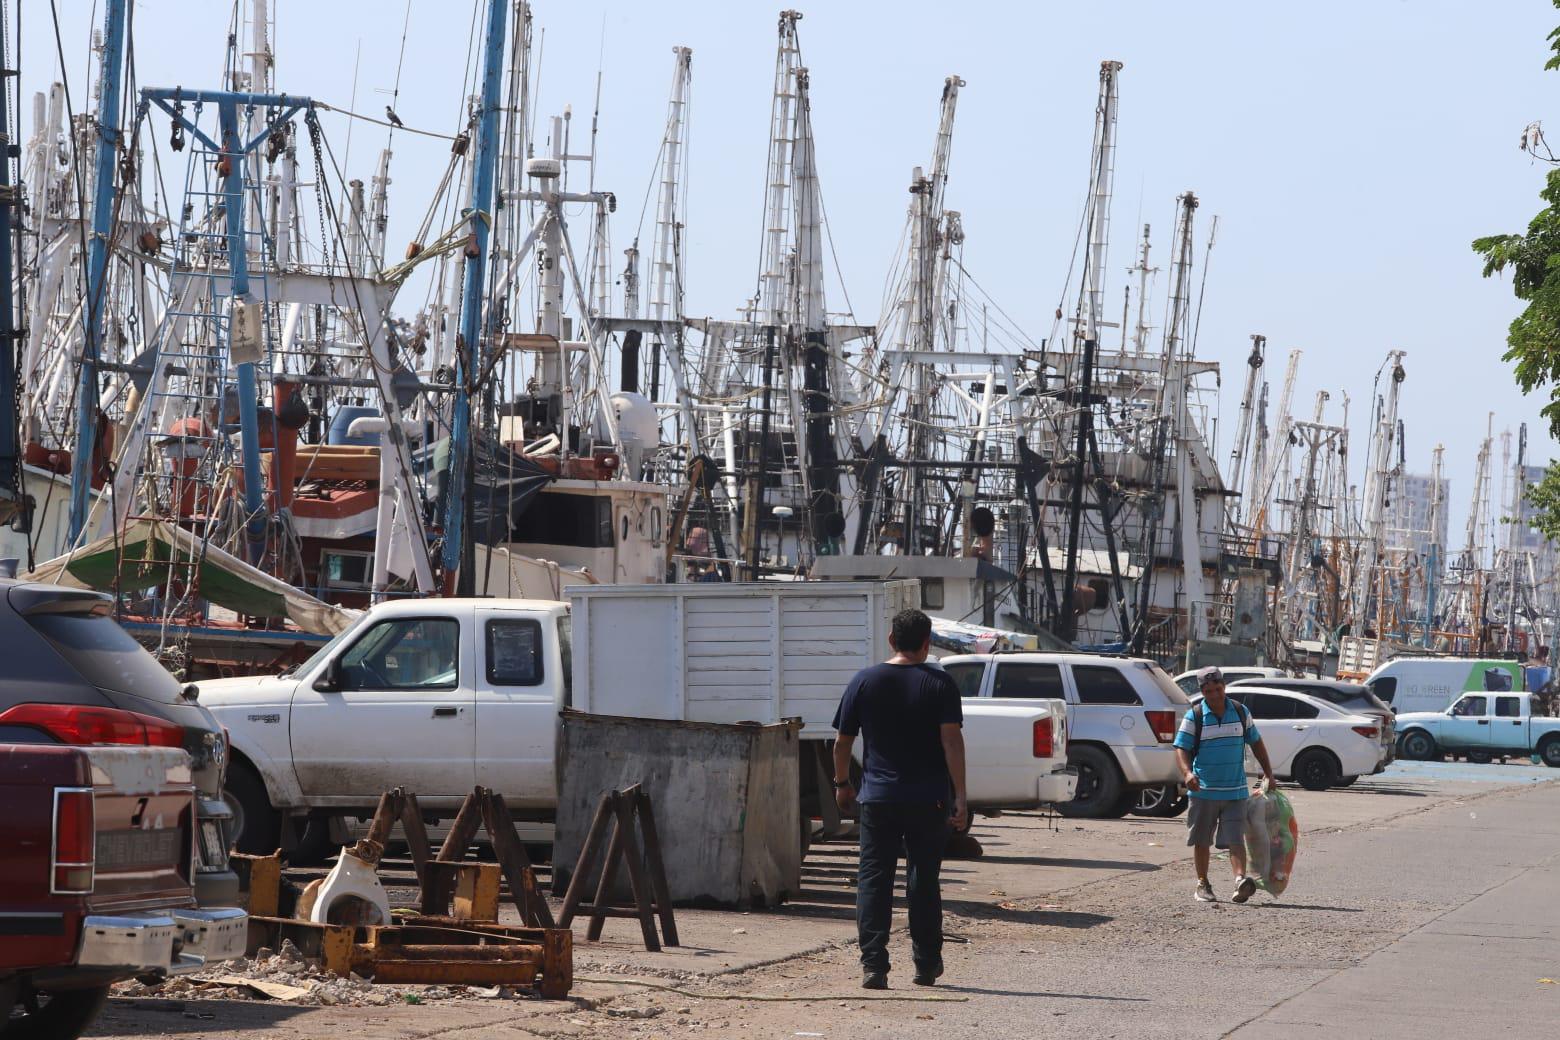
x,y
1422,905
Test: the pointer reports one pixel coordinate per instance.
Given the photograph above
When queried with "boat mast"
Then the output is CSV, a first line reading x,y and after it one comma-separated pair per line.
x,y
1376,488
1254,363
459,546
10,429
1179,413
666,259
111,80
1092,303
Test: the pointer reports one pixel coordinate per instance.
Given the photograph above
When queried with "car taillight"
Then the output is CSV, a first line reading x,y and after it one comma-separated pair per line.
x,y
1367,731
1045,738
72,859
1163,725
84,725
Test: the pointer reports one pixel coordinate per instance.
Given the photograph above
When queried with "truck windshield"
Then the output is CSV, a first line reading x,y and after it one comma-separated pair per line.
x,y
105,655
325,651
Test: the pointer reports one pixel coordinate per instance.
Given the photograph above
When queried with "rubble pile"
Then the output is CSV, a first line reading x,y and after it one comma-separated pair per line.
x,y
287,975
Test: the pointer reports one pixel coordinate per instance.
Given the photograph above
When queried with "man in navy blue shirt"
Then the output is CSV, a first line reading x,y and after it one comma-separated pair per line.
x,y
908,716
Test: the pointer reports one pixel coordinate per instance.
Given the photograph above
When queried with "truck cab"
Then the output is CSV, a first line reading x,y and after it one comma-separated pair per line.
x,y
1481,726
435,695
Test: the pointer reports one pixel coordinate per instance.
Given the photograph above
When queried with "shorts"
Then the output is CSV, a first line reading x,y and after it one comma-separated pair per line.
x,y
1204,815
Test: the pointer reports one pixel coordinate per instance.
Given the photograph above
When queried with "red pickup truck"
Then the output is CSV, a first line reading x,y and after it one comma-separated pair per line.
x,y
97,881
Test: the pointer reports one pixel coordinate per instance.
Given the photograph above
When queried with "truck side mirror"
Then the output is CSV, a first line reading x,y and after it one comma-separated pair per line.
x,y
330,681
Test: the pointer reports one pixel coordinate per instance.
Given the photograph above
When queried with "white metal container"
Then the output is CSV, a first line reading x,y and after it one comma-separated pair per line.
x,y
745,652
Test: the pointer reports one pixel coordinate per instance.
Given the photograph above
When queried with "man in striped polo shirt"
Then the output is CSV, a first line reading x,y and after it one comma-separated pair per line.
x,y
1211,748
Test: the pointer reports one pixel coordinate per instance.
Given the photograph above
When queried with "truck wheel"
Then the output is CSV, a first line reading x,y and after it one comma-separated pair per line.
x,y
1417,746
1099,783
1163,801
1479,758
55,1016
256,827
1317,770
1549,751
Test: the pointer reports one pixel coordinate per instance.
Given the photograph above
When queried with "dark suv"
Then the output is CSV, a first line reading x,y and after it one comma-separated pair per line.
x,y
71,675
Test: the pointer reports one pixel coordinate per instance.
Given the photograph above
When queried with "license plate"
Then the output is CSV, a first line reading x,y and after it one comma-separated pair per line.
x,y
128,850
213,850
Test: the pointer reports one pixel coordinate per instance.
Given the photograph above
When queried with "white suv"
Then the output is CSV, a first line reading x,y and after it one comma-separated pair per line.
x,y
1122,716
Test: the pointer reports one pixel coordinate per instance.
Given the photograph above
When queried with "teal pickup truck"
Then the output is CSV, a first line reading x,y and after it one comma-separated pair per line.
x,y
1480,726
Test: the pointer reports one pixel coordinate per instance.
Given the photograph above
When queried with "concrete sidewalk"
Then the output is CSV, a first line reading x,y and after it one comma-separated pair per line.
x,y
1488,966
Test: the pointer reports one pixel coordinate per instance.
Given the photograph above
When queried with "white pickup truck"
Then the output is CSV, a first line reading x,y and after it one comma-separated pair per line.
x,y
1481,726
438,695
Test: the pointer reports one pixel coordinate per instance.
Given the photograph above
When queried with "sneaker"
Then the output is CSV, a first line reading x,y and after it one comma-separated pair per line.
x,y
928,976
874,980
1244,888
1205,893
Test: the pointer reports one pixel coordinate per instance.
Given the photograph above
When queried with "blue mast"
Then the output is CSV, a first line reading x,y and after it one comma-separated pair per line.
x,y
459,548
234,153
97,262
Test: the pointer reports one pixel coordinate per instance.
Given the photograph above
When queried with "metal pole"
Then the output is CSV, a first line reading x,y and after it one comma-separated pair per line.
x,y
10,448
459,550
97,260
1068,621
248,388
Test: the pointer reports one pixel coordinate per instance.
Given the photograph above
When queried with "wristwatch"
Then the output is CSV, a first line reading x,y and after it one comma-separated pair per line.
x,y
840,785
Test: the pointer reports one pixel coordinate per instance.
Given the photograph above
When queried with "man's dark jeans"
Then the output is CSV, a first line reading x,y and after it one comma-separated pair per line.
x,y
922,830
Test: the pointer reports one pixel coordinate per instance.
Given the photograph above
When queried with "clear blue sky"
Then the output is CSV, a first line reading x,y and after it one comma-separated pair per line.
x,y
1350,150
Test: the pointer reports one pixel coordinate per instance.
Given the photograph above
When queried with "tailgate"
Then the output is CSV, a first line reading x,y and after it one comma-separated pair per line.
x,y
143,802
1000,745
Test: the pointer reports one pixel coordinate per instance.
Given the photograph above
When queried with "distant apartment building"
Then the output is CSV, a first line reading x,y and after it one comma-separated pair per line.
x,y
1526,537
1414,527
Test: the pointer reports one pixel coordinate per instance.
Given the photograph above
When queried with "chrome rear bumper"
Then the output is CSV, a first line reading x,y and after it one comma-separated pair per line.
x,y
172,942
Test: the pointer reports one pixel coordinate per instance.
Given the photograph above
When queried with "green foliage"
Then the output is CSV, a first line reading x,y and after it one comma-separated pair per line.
x,y
1545,500
1533,260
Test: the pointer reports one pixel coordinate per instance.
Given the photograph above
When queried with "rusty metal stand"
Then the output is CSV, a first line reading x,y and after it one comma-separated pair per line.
x,y
400,806
484,809
646,873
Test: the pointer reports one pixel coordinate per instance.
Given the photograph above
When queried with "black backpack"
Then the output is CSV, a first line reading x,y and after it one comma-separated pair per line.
x,y
1197,723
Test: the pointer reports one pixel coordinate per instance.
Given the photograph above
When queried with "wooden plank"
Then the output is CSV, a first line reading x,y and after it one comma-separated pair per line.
x,y
697,648
734,709
700,625
810,665
852,604
809,632
820,617
703,604
824,648
727,666
735,677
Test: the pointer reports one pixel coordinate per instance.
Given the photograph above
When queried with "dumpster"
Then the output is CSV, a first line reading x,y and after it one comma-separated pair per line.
x,y
725,798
